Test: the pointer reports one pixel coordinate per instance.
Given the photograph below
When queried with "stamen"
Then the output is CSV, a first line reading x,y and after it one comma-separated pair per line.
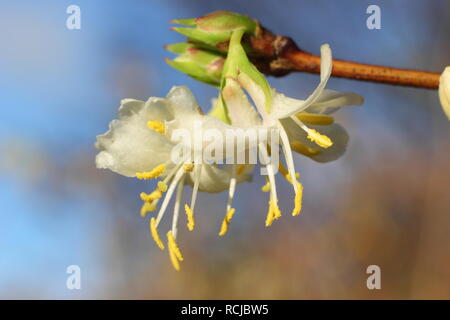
x,y
266,187
190,217
282,169
313,135
154,233
156,194
176,208
157,126
269,218
298,199
174,251
162,186
286,174
190,209
276,210
174,246
174,260
188,167
230,211
169,193
154,173
321,139
147,207
226,222
172,172
288,156
273,212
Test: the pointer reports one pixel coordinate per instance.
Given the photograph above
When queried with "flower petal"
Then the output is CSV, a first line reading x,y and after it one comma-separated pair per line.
x,y
240,111
283,107
214,179
329,101
129,146
182,102
154,109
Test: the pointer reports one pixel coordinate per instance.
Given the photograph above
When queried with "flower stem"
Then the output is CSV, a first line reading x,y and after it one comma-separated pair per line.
x,y
278,55
305,62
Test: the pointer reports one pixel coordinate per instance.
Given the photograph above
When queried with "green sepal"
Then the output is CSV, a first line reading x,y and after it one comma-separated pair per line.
x,y
202,65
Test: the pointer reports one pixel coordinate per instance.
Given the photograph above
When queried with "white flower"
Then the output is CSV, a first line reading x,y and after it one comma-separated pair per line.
x,y
444,91
304,125
140,144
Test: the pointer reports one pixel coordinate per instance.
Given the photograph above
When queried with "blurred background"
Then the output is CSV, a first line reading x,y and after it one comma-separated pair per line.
x,y
385,202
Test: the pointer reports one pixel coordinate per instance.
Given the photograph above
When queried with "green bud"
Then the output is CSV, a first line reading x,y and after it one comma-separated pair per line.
x,y
215,27
202,65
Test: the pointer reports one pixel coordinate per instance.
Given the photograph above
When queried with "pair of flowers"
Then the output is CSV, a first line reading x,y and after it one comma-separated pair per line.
x,y
140,143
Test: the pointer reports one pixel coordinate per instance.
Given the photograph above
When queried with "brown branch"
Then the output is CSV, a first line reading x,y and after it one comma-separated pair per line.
x,y
277,56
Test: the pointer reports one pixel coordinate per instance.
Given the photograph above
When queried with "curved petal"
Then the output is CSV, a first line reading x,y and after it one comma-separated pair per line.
x,y
154,109
334,131
283,107
129,146
257,94
329,101
182,102
240,111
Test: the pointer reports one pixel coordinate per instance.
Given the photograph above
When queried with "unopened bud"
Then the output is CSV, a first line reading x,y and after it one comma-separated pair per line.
x,y
215,27
202,65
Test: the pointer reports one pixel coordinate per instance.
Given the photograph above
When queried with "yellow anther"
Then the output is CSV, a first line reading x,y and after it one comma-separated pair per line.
x,y
144,196
315,119
226,222
157,126
162,186
240,169
269,218
155,195
266,187
286,174
282,169
154,173
273,213
321,139
152,196
188,167
174,260
174,251
155,235
276,210
146,207
299,147
289,178
298,199
190,217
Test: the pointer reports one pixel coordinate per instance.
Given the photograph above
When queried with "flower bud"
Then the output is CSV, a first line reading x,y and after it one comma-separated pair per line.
x,y
444,91
199,64
215,27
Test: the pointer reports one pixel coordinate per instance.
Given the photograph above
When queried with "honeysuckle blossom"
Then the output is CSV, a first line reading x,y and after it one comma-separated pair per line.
x,y
143,141
444,91
141,144
304,126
